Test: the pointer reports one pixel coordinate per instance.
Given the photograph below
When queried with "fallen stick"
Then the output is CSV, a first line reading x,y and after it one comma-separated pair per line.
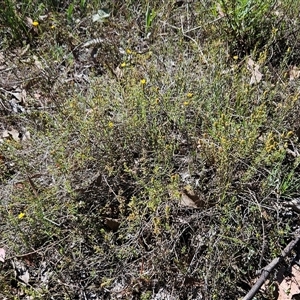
x,y
268,269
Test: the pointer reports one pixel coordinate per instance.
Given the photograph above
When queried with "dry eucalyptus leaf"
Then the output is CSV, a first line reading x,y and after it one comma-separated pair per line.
x,y
45,273
294,73
37,62
15,106
187,201
26,136
2,254
119,73
28,22
20,96
288,287
112,224
14,134
100,16
253,68
5,134
190,199
44,17
21,271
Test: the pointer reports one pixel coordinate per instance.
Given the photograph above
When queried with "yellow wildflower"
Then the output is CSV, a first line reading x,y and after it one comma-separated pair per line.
x,y
131,217
52,27
235,57
189,95
186,103
143,81
35,23
128,51
110,124
274,30
270,143
21,215
123,65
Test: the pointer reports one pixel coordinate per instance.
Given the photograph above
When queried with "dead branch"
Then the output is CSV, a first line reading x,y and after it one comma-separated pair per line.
x,y
268,269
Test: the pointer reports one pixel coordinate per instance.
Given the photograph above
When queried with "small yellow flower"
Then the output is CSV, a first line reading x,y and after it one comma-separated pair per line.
x,y
235,57
110,124
128,51
186,103
131,217
274,30
52,27
123,65
174,177
143,81
21,215
189,95
35,23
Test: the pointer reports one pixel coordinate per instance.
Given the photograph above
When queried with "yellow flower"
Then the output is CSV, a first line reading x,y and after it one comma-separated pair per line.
x,y
131,217
110,124
189,95
123,65
21,215
274,30
128,51
235,57
143,81
35,23
186,103
52,27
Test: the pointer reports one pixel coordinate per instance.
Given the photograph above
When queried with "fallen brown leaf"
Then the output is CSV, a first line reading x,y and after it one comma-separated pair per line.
x,y
112,224
289,286
2,254
14,134
253,68
294,73
191,199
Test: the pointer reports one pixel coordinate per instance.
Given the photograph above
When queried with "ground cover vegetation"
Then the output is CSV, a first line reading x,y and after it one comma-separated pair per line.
x,y
148,148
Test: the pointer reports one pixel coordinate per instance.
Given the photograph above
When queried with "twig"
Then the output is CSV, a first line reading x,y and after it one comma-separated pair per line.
x,y
32,184
52,222
267,270
37,250
109,186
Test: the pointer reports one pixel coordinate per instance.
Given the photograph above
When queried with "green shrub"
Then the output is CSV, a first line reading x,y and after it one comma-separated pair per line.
x,y
246,24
